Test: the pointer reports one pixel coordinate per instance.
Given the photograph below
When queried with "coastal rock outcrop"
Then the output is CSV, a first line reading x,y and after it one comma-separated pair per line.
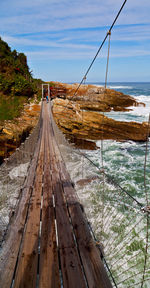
x,y
13,132
96,98
90,125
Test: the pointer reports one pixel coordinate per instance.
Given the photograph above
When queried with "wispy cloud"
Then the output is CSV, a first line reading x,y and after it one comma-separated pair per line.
x,y
71,30
38,16
84,44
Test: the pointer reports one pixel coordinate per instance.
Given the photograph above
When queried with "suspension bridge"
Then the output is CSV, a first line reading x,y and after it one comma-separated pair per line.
x,y
50,242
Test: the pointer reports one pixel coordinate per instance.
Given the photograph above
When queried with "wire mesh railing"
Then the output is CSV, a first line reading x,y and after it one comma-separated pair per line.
x,y
116,214
13,173
118,218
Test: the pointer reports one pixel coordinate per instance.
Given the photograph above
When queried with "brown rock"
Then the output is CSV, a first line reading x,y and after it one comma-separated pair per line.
x,y
82,143
86,181
93,125
12,132
95,98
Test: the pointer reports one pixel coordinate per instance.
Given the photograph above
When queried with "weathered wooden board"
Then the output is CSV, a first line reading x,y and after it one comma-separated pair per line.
x,y
49,276
95,273
71,265
10,250
26,272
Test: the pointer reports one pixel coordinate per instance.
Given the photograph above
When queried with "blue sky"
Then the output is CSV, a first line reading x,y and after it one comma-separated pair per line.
x,y
61,37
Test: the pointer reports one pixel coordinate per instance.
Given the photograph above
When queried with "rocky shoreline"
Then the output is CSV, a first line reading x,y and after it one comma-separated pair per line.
x,y
79,115
13,132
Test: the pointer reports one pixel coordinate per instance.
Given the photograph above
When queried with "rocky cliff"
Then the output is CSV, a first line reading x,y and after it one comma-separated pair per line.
x,y
95,98
78,117
13,132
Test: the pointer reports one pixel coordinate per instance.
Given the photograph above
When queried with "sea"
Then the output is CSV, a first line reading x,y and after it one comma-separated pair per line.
x,y
125,161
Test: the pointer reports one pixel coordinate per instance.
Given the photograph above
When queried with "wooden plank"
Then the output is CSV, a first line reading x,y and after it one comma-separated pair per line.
x,y
94,270
71,269
70,192
70,261
10,250
65,232
49,267
26,272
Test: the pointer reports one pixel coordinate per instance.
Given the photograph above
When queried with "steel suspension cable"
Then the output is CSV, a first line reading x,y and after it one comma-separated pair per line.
x,y
108,33
98,51
145,163
112,180
107,60
101,150
146,195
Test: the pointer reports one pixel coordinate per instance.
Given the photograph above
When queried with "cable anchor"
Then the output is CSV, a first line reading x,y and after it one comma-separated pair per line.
x,y
109,33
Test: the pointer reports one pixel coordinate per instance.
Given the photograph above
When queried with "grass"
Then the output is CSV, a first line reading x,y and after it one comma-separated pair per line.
x,y
11,107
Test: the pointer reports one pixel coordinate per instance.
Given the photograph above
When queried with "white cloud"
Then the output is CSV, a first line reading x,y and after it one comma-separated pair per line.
x,y
68,29
73,54
40,16
46,43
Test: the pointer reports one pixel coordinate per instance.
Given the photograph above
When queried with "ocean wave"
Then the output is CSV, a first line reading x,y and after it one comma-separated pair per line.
x,y
140,112
142,98
120,87
19,171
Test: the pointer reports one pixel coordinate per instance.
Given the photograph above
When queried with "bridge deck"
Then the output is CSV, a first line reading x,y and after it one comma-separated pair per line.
x,y
49,243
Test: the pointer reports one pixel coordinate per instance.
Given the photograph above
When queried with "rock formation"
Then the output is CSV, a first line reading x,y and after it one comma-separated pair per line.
x,y
12,132
90,125
78,116
95,98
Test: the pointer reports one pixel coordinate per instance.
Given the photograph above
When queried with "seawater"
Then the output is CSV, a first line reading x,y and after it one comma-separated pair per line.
x,y
141,92
125,160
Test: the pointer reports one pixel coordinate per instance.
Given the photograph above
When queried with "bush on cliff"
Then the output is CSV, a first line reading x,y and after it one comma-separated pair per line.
x,y
16,82
15,76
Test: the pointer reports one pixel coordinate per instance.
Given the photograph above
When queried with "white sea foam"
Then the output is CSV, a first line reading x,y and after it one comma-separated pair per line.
x,y
142,98
136,113
19,171
119,87
140,111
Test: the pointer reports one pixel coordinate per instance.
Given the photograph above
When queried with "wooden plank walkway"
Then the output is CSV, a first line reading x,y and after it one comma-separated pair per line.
x,y
49,243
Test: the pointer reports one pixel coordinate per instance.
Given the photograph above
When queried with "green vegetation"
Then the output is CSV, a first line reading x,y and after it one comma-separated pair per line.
x,y
10,107
16,82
